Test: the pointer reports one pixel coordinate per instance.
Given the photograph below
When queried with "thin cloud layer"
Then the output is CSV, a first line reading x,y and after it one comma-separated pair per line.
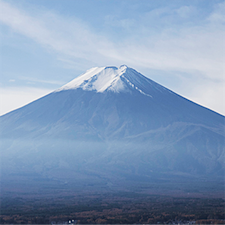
x,y
13,98
153,40
63,36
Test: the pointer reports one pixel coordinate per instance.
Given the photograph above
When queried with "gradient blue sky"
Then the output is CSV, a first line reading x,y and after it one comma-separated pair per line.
x,y
47,43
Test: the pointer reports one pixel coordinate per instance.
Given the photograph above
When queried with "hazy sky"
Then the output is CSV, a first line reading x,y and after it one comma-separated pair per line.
x,y
47,43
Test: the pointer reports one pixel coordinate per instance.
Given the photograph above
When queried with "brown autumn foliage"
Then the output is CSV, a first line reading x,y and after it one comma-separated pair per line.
x,y
113,208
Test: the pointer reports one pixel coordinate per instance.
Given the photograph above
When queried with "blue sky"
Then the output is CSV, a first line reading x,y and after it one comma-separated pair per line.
x,y
47,43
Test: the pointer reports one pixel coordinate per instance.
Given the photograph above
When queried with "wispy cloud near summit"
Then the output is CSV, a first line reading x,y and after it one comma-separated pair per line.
x,y
178,38
64,36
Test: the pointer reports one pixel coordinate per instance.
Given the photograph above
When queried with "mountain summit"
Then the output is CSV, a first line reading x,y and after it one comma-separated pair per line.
x,y
101,79
112,124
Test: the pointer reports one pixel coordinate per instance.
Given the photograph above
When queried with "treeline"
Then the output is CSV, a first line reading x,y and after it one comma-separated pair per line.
x,y
113,209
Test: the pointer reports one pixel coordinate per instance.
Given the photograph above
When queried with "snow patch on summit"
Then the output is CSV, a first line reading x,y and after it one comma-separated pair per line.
x,y
98,79
138,89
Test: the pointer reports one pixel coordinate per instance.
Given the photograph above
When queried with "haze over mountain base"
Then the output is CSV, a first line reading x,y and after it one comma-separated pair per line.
x,y
112,129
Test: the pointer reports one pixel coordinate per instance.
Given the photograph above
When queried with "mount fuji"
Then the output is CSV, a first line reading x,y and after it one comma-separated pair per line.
x,y
111,128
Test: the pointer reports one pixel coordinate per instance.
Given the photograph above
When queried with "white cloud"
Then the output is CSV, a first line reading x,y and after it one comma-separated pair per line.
x,y
210,95
218,15
185,11
189,49
35,80
13,98
196,50
68,37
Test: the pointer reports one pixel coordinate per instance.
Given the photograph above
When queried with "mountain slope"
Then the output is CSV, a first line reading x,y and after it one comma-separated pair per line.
x,y
124,98
115,123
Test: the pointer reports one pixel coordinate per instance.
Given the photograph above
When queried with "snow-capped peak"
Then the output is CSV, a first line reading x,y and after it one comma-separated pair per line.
x,y
99,79
122,79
